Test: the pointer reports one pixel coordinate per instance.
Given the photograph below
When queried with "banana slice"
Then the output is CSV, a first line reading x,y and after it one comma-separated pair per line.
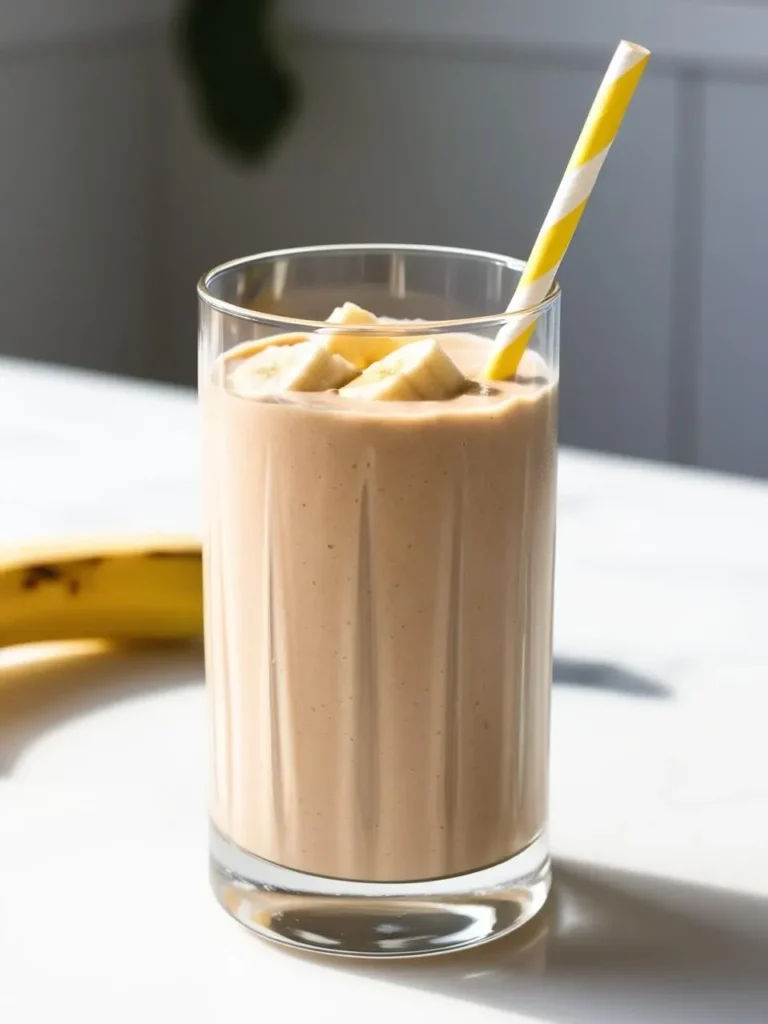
x,y
419,371
359,350
251,348
303,367
352,315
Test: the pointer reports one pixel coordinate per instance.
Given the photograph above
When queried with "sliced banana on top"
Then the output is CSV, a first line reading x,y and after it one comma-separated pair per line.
x,y
307,366
352,315
359,350
256,345
420,371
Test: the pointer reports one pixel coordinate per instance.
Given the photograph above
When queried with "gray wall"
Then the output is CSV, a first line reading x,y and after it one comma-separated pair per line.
x,y
423,120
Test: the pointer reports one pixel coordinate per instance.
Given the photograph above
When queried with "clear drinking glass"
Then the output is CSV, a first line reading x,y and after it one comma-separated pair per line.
x,y
378,586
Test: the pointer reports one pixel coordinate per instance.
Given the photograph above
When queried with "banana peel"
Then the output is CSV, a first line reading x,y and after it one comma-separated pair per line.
x,y
115,590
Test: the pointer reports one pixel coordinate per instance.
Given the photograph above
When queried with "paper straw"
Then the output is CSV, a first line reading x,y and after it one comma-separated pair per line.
x,y
599,131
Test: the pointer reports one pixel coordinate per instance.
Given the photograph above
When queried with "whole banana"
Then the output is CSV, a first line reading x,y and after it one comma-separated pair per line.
x,y
117,591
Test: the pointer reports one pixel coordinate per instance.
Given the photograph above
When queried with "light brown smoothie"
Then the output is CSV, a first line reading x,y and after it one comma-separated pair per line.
x,y
379,611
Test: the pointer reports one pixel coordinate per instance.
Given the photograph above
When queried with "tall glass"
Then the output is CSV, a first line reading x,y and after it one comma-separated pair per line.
x,y
378,586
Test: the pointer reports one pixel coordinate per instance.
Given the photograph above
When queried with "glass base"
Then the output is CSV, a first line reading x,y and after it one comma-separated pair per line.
x,y
379,919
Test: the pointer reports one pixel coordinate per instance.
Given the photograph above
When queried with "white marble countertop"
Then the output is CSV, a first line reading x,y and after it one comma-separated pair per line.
x,y
659,763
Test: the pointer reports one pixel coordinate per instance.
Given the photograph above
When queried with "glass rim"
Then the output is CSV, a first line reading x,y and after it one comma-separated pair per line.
x,y
313,326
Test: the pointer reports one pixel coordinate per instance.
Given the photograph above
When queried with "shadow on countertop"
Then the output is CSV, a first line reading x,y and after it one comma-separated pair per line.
x,y
45,685
602,675
612,947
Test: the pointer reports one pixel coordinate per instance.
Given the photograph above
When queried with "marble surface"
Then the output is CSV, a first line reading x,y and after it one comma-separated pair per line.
x,y
659,762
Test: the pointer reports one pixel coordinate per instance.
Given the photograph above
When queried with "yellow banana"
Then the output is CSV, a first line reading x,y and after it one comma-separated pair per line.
x,y
119,590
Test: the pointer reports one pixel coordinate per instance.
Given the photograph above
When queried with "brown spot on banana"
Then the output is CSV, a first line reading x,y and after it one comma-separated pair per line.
x,y
37,574
171,554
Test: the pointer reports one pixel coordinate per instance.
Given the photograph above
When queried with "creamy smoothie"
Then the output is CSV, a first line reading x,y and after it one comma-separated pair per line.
x,y
379,616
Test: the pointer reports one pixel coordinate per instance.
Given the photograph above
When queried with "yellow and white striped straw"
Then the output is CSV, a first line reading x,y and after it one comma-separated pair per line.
x,y
599,131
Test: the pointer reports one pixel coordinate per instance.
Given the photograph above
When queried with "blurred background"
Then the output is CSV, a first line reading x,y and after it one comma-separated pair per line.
x,y
435,121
